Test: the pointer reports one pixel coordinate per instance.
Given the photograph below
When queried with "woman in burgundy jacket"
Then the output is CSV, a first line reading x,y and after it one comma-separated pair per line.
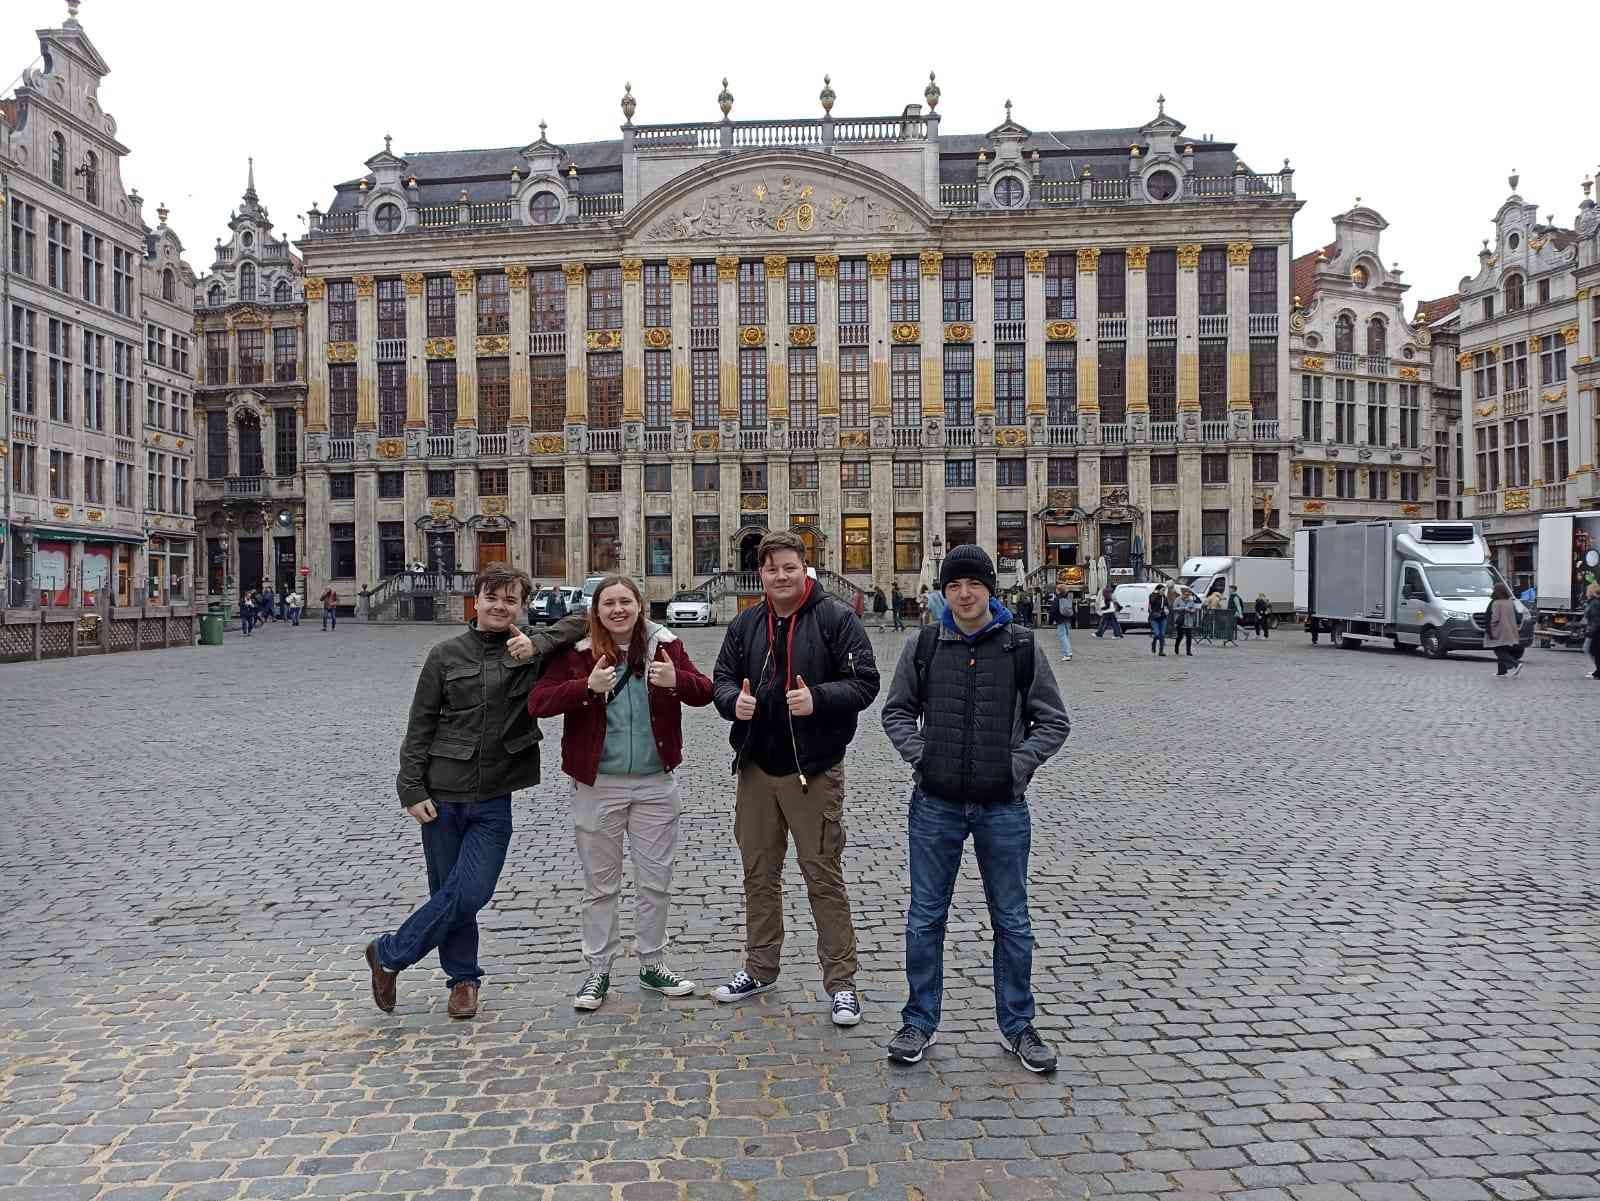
x,y
621,692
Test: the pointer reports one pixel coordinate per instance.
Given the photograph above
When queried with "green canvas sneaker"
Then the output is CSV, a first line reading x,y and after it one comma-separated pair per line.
x,y
658,977
593,993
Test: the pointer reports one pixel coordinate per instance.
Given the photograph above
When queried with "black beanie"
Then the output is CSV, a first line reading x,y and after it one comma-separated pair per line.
x,y
968,562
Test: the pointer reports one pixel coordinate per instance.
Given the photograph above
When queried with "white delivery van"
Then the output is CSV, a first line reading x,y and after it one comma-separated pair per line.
x,y
1135,601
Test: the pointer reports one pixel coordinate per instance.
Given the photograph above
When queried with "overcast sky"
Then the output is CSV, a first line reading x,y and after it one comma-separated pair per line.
x,y
1418,111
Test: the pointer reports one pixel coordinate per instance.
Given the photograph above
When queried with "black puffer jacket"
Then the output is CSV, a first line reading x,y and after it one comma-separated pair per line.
x,y
832,655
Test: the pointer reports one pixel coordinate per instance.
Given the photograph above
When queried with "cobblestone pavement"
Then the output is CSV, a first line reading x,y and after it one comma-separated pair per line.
x,y
1313,924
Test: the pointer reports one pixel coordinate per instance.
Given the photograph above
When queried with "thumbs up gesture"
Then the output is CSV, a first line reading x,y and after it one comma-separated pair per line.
x,y
801,703
745,707
604,676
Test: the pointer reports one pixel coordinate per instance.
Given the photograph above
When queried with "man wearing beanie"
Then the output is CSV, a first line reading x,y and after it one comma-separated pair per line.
x,y
975,710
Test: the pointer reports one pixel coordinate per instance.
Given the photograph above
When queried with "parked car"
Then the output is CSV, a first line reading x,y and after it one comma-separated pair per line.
x,y
539,611
586,593
691,609
1135,601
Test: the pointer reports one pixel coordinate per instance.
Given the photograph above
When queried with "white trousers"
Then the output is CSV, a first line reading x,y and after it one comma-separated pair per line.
x,y
646,807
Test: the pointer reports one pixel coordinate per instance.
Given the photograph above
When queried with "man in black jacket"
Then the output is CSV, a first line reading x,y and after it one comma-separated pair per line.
x,y
470,743
793,673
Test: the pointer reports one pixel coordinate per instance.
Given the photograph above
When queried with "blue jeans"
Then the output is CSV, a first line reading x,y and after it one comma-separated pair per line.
x,y
1109,620
1158,633
247,620
1001,835
294,615
465,848
330,616
1064,635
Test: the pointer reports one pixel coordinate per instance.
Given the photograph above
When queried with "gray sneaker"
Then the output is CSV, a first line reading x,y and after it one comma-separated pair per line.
x,y
908,1045
1036,1054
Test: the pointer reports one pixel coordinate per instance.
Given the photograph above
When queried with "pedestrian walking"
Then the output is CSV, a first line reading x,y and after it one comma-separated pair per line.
x,y
295,602
897,604
880,606
1158,622
330,608
1503,637
794,672
1236,604
1185,617
557,608
247,613
1109,608
620,693
975,710
1062,604
1591,626
1314,628
269,600
470,743
1263,612
1027,609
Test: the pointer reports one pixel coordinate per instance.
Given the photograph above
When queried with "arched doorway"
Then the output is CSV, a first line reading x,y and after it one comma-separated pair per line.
x,y
744,543
816,541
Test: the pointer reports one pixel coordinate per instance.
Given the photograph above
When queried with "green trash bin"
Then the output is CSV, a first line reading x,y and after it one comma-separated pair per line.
x,y
211,629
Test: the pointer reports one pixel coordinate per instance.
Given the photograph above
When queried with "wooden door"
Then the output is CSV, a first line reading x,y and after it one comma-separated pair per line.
x,y
491,549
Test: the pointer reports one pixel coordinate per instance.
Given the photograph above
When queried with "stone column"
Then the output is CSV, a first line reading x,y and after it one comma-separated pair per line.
x,y
828,347
828,505
1239,331
366,356
777,357
1189,503
1034,300
631,523
316,359
632,346
1137,346
983,348
466,506
517,287
878,350
366,519
466,348
1188,338
416,365
577,364
75,582
729,514
683,571
728,339
932,265
682,395
881,509
1088,345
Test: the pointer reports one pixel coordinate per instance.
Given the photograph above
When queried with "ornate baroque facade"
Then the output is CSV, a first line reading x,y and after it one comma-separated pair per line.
x,y
1361,382
1530,337
250,335
644,353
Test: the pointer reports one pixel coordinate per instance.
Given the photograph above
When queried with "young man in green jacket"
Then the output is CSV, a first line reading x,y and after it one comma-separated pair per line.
x,y
470,743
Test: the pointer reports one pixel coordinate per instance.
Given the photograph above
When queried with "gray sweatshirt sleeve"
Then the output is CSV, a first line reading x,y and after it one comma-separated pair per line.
x,y
1045,721
902,710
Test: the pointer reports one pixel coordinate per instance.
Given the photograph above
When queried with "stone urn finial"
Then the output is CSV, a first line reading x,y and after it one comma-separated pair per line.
x,y
161,212
725,99
931,92
629,104
827,95
1514,179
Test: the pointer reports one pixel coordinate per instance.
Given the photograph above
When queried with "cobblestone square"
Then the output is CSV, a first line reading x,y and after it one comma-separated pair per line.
x,y
1312,924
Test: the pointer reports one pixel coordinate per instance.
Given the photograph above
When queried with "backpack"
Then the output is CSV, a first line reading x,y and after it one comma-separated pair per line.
x,y
928,642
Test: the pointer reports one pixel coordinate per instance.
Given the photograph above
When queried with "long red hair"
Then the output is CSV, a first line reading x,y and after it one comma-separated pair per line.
x,y
600,638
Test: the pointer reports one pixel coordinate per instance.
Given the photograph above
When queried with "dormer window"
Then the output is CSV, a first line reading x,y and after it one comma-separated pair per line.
x,y
214,295
1377,338
247,281
91,177
282,293
1513,293
1344,334
169,285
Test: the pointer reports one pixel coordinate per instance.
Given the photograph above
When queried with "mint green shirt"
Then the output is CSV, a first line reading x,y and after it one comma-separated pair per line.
x,y
630,746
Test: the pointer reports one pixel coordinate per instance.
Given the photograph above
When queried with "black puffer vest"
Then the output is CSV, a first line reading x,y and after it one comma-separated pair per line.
x,y
969,715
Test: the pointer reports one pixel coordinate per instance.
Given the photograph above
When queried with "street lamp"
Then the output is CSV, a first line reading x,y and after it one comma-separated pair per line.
x,y
938,552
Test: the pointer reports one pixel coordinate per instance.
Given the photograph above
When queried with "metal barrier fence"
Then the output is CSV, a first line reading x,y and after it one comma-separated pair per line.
x,y
1218,627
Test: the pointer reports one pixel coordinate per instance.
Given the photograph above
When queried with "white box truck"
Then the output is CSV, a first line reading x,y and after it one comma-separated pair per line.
x,y
1252,574
1568,562
1409,583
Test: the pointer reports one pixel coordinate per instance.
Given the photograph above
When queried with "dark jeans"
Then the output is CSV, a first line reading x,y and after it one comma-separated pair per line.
x,y
330,616
899,619
1001,835
465,848
294,615
1109,621
247,621
1158,634
1505,658
1179,635
1594,652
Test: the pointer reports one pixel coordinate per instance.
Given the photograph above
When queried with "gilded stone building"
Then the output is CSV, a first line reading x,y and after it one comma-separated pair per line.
x,y
644,353
1361,378
1530,336
249,314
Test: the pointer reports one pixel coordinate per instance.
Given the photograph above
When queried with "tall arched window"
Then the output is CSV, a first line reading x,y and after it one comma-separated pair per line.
x,y
1513,293
1377,338
169,285
282,292
58,160
91,177
1344,334
247,282
215,296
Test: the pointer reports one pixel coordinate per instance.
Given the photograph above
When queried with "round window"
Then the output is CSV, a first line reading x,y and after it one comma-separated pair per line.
x,y
247,239
1008,192
1514,241
387,218
545,209
1409,353
1313,341
1162,185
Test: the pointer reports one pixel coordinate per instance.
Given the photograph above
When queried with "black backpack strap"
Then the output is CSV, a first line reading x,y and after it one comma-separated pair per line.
x,y
1022,643
927,643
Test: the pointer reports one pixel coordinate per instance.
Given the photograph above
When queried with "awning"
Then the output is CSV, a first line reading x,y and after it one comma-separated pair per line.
x,y
44,533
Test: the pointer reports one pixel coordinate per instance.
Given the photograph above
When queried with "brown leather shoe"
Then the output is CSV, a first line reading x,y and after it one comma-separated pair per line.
x,y
383,980
464,1000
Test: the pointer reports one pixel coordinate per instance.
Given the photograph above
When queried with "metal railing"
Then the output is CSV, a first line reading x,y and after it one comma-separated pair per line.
x,y
251,485
391,349
1010,331
1263,325
958,195
441,446
1213,325
602,204
960,435
802,439
548,342
1264,429
1163,431
604,441
341,450
1161,327
1114,434
1214,431
493,444
1061,435
657,441
1113,329
907,437
752,439
854,334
